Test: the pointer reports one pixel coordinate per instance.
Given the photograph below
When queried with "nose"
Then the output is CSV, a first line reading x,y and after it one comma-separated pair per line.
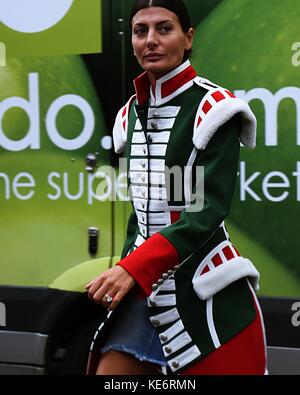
x,y
152,39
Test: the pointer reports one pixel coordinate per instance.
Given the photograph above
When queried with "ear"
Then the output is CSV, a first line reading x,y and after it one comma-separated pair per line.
x,y
189,38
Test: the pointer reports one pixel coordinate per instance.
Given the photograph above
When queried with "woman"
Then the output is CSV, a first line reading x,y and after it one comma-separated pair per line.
x,y
184,294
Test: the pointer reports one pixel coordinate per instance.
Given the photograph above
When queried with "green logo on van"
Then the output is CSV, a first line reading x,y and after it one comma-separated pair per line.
x,y
50,27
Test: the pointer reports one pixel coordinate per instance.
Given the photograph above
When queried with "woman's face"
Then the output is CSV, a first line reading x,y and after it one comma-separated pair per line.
x,y
158,40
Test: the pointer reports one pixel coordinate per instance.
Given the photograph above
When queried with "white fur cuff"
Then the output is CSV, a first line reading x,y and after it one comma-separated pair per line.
x,y
208,284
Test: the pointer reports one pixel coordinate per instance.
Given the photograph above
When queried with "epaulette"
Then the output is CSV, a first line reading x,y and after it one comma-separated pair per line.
x,y
217,107
121,126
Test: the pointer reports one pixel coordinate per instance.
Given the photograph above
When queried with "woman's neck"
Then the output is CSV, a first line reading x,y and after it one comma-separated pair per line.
x,y
153,79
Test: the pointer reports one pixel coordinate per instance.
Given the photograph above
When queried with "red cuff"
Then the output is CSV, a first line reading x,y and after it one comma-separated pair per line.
x,y
149,261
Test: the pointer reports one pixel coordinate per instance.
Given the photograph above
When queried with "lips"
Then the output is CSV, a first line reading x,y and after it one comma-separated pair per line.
x,y
153,55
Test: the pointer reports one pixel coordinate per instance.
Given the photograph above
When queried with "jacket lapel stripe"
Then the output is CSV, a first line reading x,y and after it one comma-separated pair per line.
x,y
168,285
139,138
163,112
164,300
165,318
185,358
159,137
171,332
161,124
158,149
138,125
176,344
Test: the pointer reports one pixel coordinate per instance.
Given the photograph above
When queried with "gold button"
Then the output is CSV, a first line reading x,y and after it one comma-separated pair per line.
x,y
154,287
165,276
160,281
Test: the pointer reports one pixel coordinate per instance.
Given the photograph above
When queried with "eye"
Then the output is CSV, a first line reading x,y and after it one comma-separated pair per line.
x,y
165,28
139,30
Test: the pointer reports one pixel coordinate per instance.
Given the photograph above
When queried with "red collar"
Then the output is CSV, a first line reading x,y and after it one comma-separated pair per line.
x,y
167,87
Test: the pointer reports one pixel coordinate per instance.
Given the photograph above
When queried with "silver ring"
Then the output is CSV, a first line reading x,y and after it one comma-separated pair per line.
x,y
108,298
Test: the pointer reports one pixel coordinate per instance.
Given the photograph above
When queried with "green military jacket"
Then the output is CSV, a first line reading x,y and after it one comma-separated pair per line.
x,y
198,287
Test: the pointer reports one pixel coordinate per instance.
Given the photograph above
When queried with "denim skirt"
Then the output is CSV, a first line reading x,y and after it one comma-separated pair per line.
x,y
134,334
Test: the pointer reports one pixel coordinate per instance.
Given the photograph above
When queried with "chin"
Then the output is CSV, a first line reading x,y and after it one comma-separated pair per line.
x,y
160,68
157,68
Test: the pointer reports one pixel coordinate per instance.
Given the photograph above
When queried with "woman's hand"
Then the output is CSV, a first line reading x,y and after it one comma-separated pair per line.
x,y
114,283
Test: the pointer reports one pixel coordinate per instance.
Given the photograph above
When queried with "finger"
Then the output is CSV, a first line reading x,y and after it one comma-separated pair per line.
x,y
107,299
87,286
116,300
99,295
94,287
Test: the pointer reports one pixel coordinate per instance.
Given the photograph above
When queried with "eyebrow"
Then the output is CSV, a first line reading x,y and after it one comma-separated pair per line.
x,y
158,23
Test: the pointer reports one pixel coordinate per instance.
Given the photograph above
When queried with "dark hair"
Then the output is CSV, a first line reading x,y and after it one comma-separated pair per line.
x,y
176,6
